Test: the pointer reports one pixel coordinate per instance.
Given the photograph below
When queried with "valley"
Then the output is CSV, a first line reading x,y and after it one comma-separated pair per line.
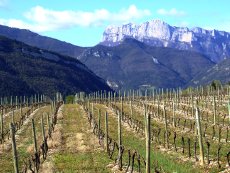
x,y
114,87
109,132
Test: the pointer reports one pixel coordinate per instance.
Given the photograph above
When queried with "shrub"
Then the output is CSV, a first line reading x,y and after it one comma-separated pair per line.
x,y
69,99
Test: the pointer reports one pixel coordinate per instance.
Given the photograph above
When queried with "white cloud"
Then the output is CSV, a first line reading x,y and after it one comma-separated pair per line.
x,y
171,12
41,19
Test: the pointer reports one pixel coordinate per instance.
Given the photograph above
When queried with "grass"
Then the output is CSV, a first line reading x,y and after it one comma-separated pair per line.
x,y
73,158
132,141
9,118
214,145
81,162
23,142
81,152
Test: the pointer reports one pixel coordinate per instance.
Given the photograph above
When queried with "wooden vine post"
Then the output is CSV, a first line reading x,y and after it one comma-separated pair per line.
x,y
106,132
92,109
51,108
35,143
214,110
114,97
131,109
99,122
2,126
20,110
158,106
48,123
229,110
88,104
43,132
200,136
34,136
12,120
174,123
11,101
119,142
147,138
122,108
166,126
192,101
16,102
14,148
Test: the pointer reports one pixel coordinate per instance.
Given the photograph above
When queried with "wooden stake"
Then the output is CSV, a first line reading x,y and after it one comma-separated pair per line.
x,y
21,110
214,110
192,101
158,107
131,109
106,133
200,137
166,126
34,136
43,131
122,108
229,110
147,139
119,141
92,109
12,117
99,122
48,124
2,126
174,123
14,148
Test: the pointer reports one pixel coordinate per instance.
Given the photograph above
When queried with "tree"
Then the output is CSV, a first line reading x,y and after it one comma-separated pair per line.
x,y
69,99
216,84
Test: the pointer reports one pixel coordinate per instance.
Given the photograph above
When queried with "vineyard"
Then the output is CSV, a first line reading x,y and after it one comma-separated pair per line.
x,y
132,131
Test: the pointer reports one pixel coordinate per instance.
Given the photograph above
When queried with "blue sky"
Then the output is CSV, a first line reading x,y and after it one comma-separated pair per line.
x,y
82,22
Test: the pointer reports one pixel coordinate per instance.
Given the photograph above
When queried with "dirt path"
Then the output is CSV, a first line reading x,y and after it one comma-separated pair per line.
x,y
78,149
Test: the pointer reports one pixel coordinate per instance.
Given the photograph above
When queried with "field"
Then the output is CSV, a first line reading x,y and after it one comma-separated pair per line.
x,y
170,131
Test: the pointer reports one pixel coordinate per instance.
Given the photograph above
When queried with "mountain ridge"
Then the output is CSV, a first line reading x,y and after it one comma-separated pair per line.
x,y
220,71
115,60
143,65
215,44
43,42
26,70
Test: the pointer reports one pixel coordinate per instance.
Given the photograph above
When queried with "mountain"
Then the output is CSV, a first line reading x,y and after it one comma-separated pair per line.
x,y
133,64
42,42
25,70
214,44
134,56
220,71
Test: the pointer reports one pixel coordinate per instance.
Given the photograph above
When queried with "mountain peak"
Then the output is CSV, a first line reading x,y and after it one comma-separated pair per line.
x,y
150,29
157,21
213,43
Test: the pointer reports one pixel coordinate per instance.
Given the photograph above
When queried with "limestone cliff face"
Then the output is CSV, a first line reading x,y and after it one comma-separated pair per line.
x,y
215,44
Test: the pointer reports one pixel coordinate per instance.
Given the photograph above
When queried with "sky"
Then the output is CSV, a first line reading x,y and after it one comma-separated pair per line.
x,y
82,22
